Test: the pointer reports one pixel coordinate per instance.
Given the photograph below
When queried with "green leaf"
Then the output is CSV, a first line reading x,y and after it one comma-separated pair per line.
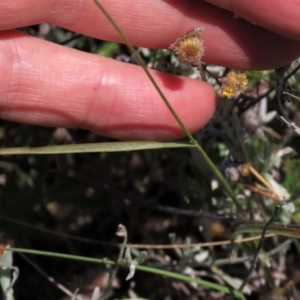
x,y
268,117
141,258
8,274
94,147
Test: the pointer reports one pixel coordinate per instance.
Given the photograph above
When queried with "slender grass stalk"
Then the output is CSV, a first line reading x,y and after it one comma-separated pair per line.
x,y
265,182
173,112
122,232
142,64
156,271
278,229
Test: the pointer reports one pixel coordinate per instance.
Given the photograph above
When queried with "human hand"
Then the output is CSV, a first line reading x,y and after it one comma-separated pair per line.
x,y
51,85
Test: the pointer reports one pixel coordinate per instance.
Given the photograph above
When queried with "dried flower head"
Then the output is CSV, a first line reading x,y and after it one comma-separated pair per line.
x,y
232,83
189,48
245,169
122,232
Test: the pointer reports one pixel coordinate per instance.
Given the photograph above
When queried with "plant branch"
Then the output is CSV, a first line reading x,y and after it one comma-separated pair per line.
x,y
261,242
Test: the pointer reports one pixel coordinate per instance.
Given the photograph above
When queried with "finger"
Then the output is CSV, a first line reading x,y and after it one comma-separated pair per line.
x,y
229,42
51,85
276,15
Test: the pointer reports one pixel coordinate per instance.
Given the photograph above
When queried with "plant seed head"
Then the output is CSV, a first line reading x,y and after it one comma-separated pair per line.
x,y
189,48
121,231
245,169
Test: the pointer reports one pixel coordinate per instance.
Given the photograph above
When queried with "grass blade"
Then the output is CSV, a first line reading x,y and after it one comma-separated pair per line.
x,y
94,147
169,274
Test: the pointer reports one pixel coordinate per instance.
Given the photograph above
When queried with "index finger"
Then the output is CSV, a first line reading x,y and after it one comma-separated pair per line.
x,y
229,42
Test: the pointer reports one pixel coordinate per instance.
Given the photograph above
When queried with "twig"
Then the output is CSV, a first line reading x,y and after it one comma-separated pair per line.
x,y
291,95
192,245
137,246
58,234
289,124
265,182
202,72
50,279
122,232
252,103
239,260
261,242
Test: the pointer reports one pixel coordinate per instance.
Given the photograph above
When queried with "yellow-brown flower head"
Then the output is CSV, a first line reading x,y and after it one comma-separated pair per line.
x,y
232,83
189,48
227,91
245,169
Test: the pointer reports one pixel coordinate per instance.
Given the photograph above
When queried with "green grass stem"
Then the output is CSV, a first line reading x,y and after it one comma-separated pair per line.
x,y
156,271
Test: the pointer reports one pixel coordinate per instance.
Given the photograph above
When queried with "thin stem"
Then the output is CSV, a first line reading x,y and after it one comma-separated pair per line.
x,y
261,243
173,112
265,182
219,176
202,72
169,274
239,260
51,279
122,232
142,64
252,103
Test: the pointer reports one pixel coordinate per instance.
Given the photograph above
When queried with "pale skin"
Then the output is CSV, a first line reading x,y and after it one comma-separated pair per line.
x,y
51,85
